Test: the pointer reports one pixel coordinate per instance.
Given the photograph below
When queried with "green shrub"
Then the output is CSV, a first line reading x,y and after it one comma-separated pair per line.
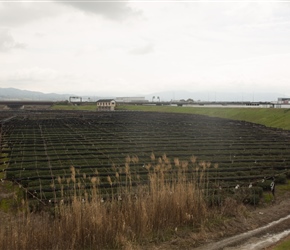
x,y
253,199
265,185
281,179
215,200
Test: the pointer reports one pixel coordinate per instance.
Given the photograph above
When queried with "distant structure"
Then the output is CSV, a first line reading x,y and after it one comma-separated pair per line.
x,y
75,99
106,105
283,100
130,99
27,105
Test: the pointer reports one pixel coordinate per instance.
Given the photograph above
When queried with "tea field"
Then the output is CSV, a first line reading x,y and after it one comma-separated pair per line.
x,y
39,149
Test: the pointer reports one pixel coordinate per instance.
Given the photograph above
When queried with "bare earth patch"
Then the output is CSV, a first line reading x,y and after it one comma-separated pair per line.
x,y
252,218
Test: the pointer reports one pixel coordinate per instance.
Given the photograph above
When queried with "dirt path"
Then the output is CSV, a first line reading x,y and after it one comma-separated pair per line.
x,y
256,239
242,232
273,226
274,245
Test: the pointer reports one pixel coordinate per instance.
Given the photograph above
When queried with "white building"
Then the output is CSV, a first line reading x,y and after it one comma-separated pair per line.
x,y
130,99
283,100
106,105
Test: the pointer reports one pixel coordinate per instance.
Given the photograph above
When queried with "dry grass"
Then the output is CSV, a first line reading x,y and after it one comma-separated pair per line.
x,y
133,216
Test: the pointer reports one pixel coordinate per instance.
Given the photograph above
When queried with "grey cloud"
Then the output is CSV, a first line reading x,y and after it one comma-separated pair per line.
x,y
18,13
110,10
39,34
142,50
8,43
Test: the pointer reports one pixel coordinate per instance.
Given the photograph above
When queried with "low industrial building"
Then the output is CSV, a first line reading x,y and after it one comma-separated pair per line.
x,y
130,99
284,100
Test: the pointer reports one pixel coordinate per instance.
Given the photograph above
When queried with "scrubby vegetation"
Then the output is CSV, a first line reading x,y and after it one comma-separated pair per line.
x,y
129,217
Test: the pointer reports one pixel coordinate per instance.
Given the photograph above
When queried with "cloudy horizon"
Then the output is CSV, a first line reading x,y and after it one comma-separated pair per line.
x,y
140,47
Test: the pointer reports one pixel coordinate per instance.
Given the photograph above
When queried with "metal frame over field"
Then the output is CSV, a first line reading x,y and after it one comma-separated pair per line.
x,y
38,149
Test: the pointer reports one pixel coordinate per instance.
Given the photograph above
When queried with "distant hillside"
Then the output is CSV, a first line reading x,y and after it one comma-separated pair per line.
x,y
17,94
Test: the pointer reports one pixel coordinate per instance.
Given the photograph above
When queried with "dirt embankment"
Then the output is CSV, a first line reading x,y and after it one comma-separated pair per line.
x,y
252,219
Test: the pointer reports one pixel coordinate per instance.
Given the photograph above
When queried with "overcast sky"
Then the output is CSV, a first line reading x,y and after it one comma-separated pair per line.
x,y
139,47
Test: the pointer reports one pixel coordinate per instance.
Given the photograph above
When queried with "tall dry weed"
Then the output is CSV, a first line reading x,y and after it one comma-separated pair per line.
x,y
174,197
